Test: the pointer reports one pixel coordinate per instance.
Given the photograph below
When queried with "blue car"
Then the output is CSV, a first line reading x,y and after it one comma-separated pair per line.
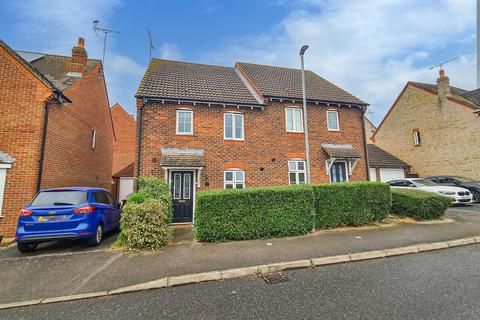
x,y
67,213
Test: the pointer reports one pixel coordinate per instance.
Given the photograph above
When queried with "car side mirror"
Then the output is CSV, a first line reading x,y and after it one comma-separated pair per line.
x,y
411,185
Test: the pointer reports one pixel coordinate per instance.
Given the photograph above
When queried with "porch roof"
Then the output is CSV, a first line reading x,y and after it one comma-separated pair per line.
x,y
341,151
182,158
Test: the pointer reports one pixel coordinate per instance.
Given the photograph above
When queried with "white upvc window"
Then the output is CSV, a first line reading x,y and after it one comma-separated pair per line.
x,y
294,119
234,179
3,181
94,139
417,140
233,126
332,120
184,122
296,171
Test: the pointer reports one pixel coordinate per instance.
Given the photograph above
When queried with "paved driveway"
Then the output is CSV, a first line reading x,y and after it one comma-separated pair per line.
x,y
59,247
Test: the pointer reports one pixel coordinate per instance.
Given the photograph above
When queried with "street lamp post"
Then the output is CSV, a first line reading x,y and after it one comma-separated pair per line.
x,y
305,116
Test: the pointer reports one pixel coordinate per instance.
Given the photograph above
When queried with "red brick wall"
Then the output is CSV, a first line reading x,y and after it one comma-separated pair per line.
x,y
69,158
267,145
22,107
124,146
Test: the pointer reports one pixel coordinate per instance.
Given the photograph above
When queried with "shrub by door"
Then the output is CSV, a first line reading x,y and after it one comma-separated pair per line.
x,y
182,194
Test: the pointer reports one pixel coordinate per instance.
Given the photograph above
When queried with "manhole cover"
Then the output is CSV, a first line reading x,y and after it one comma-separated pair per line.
x,y
274,277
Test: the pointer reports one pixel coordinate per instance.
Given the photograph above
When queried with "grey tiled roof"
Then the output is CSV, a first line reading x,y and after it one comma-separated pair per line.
x,y
379,158
462,95
55,68
341,151
172,157
6,158
285,82
195,82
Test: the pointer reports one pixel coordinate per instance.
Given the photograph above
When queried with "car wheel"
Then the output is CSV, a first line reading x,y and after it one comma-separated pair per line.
x,y
26,247
97,238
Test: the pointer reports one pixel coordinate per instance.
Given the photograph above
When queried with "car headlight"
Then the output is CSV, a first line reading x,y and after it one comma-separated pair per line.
x,y
447,193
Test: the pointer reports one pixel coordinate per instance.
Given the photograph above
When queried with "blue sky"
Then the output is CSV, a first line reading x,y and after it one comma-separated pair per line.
x,y
370,48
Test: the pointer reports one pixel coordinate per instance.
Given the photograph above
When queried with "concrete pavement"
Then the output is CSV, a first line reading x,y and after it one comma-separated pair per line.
x,y
436,285
64,274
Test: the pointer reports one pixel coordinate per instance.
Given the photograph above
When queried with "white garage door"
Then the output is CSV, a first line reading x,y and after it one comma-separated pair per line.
x,y
373,175
391,174
125,187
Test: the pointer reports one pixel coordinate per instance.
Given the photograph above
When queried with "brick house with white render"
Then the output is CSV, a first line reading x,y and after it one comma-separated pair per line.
x,y
211,127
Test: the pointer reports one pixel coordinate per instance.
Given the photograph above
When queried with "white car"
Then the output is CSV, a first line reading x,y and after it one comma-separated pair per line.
x,y
459,195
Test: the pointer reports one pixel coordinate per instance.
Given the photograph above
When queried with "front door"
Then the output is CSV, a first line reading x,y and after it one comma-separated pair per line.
x,y
338,172
182,193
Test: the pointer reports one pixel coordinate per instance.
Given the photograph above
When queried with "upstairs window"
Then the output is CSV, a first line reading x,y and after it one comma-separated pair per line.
x,y
417,139
294,120
234,179
296,171
184,122
332,120
233,126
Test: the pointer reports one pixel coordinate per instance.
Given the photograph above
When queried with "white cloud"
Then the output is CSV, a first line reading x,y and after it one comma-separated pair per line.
x,y
170,51
371,47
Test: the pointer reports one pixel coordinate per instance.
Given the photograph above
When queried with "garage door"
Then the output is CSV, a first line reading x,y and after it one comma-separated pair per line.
x,y
125,187
391,174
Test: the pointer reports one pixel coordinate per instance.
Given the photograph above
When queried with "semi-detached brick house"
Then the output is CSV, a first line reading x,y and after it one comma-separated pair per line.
x,y
56,128
210,127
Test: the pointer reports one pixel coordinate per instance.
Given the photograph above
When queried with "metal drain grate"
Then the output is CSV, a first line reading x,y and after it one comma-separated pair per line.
x,y
274,277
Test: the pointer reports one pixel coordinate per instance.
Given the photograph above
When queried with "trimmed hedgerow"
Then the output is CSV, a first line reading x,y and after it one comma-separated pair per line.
x,y
146,225
254,213
351,203
147,216
419,204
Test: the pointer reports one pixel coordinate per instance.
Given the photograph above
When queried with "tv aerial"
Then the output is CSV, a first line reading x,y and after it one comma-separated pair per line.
x,y
440,65
150,45
97,29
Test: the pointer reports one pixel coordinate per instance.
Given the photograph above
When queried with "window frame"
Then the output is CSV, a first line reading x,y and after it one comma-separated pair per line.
x,y
337,118
177,121
94,139
234,127
297,171
293,109
417,137
234,182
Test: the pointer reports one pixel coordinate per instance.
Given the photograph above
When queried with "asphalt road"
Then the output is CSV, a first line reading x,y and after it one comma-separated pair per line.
x,y
436,285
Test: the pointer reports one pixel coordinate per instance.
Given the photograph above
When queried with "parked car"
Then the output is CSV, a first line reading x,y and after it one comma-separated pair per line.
x,y
472,185
459,195
67,213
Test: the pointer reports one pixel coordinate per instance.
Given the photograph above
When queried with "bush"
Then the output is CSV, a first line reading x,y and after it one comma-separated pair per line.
x,y
419,204
147,216
254,213
351,203
146,225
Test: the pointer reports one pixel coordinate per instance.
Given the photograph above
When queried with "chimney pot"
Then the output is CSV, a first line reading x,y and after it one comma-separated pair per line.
x,y
81,42
442,73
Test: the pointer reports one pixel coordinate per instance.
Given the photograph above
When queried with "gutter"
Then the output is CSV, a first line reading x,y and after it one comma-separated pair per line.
x,y
42,147
139,146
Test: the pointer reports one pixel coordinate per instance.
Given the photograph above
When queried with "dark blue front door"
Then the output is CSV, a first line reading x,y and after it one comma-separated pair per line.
x,y
338,172
182,193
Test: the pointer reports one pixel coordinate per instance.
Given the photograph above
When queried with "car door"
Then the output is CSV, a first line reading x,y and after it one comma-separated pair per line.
x,y
103,207
115,211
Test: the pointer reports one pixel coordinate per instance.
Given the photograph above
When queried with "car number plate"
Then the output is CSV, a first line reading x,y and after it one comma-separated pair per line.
x,y
44,219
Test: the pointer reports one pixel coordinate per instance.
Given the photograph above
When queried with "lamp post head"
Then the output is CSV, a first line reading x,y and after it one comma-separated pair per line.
x,y
303,49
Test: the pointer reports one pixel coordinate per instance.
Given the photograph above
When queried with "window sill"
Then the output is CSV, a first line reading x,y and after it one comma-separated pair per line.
x,y
331,130
184,136
234,141
296,132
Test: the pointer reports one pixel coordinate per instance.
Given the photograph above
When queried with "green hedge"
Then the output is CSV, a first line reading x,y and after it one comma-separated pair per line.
x,y
419,204
254,213
351,203
147,216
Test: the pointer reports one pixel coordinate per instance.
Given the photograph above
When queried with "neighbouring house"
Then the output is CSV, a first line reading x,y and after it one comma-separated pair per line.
x,y
384,166
56,128
211,127
435,128
123,151
369,129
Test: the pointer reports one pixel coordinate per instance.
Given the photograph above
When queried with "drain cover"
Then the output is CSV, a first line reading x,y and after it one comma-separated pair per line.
x,y
274,277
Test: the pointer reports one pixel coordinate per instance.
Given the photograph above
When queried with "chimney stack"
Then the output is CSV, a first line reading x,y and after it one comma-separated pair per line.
x,y
79,57
443,85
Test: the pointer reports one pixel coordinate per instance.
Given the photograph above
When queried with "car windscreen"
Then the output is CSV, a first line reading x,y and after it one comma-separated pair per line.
x,y
59,198
425,183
